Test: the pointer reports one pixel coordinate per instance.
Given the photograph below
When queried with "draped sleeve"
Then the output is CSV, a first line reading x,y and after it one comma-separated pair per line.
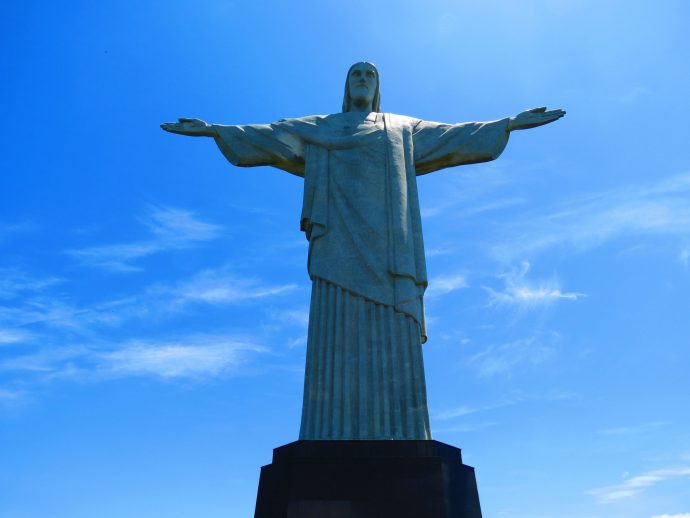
x,y
438,145
262,144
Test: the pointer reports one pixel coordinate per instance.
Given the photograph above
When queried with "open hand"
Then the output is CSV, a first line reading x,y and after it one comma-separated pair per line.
x,y
190,127
533,118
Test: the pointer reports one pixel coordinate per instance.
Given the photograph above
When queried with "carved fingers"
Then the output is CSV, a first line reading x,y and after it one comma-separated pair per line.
x,y
535,117
190,127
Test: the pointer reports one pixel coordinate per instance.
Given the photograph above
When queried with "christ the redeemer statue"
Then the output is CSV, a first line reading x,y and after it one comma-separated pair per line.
x,y
364,374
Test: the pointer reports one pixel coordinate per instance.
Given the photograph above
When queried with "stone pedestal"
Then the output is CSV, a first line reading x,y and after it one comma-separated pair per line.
x,y
367,479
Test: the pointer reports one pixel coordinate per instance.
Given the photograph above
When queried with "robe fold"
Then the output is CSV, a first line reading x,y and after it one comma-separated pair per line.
x,y
362,219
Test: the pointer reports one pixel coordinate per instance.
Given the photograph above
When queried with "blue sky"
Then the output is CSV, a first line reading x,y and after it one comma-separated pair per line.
x,y
153,298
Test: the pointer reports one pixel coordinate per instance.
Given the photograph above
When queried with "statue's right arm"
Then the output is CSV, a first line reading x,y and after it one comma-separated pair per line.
x,y
248,145
190,127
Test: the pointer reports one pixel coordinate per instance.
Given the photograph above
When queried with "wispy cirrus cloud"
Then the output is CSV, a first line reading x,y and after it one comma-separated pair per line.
x,y
681,515
651,209
63,338
634,485
13,336
444,284
466,428
488,206
211,287
470,194
55,312
684,256
633,429
440,251
51,361
191,358
630,96
220,286
511,400
171,229
293,317
187,357
504,359
518,291
299,341
14,283
10,395
9,230
465,410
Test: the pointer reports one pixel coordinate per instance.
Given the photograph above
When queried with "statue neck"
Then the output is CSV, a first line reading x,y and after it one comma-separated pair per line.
x,y
361,106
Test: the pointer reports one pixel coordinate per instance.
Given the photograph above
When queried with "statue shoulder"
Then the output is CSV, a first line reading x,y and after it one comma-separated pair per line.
x,y
309,119
403,120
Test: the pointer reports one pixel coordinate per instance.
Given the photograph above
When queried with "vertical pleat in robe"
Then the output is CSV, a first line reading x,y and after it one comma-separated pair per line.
x,y
364,372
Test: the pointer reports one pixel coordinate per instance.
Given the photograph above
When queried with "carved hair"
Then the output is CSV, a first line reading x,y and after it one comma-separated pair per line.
x,y
375,102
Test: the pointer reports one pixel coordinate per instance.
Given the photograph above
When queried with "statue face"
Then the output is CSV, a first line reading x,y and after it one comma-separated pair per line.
x,y
362,82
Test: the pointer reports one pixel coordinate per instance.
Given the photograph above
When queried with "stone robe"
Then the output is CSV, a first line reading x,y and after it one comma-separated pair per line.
x,y
364,377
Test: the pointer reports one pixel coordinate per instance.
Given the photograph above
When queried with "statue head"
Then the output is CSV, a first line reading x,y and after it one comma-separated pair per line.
x,y
362,85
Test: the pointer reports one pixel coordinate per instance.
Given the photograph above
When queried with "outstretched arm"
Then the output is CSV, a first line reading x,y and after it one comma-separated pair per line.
x,y
248,145
437,145
533,118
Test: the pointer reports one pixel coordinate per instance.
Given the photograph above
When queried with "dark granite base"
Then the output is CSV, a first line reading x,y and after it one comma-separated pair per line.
x,y
367,479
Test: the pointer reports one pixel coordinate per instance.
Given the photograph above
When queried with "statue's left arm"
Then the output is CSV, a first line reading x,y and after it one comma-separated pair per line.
x,y
438,145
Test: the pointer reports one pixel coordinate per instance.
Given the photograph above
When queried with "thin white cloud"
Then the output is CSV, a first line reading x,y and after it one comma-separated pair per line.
x,y
681,515
221,287
634,485
632,430
293,317
466,410
213,287
520,292
187,357
9,395
652,209
49,360
56,313
630,96
499,204
172,229
684,256
514,399
504,359
38,311
469,194
64,340
116,258
13,336
439,250
194,358
300,341
443,285
468,428
8,230
463,212
14,283
177,226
